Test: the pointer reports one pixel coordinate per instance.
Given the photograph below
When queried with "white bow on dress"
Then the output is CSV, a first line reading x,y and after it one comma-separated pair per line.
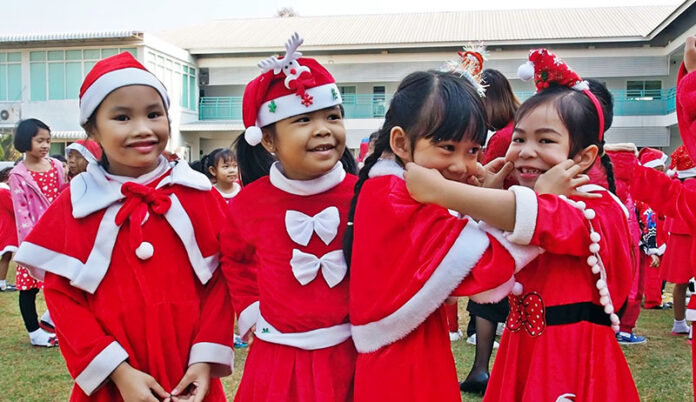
x,y
305,267
301,226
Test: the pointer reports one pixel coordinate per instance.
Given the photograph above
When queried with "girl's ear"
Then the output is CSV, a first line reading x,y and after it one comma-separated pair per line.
x,y
212,170
268,140
400,143
586,157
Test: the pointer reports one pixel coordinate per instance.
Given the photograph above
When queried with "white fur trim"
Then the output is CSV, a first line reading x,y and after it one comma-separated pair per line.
x,y
236,188
247,318
385,167
221,357
594,188
622,146
310,340
661,249
522,255
496,294
465,253
326,95
690,315
8,249
526,210
89,156
111,81
325,182
86,276
657,162
686,173
5,186
525,71
253,135
101,367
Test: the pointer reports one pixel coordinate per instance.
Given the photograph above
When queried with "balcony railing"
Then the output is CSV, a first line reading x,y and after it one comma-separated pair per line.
x,y
374,106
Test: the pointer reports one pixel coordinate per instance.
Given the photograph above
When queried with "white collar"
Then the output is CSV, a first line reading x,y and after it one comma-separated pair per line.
x,y
5,186
235,190
325,182
385,167
96,189
593,188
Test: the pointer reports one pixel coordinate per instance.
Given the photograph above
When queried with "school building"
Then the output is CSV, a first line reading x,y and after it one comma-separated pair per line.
x,y
636,51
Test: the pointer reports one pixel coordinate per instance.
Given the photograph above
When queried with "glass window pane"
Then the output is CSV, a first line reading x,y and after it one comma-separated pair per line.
x,y
73,80
73,55
3,57
14,82
37,78
56,81
55,55
3,82
37,56
14,57
192,92
108,52
653,85
57,148
91,54
185,88
130,50
88,66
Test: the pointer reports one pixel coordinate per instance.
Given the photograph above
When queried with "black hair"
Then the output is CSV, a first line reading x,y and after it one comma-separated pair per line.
x,y
25,131
5,174
579,116
59,157
255,161
222,154
197,166
500,102
207,162
434,105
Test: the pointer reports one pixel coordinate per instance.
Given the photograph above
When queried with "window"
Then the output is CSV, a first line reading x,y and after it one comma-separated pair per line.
x,y
378,101
179,79
348,93
58,74
10,76
644,90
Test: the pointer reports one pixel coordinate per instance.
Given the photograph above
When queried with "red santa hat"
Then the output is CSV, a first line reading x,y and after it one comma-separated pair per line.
x,y
90,150
682,163
651,157
289,86
546,68
110,74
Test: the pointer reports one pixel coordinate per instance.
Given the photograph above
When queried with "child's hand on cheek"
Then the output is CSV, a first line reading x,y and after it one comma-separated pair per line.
x,y
690,54
493,174
423,184
194,386
563,179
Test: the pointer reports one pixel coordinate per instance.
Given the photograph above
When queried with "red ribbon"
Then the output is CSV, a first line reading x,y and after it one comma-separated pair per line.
x,y
527,312
139,200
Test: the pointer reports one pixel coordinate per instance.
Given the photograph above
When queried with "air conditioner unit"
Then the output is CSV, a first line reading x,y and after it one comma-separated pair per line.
x,y
9,113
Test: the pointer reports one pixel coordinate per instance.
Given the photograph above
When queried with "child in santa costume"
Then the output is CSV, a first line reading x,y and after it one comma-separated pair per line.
x,y
560,342
130,254
81,153
408,257
672,197
652,235
223,168
34,184
282,242
8,231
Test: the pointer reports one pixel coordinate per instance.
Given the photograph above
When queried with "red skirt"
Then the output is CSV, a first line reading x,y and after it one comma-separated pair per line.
x,y
581,359
675,266
282,373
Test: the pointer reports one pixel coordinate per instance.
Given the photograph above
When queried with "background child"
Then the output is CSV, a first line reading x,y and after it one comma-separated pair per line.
x,y
8,230
130,254
80,153
282,243
34,184
435,119
223,167
558,320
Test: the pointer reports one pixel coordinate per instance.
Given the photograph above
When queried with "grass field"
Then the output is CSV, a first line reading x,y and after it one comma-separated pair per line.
x,y
661,367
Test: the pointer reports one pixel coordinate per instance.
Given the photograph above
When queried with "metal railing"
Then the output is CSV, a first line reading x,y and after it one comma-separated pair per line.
x,y
374,106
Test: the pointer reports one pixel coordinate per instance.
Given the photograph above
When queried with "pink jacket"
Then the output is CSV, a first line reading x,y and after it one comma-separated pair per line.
x,y
28,201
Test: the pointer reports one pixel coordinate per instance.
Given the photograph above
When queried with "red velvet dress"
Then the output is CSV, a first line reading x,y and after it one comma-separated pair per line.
x,y
8,228
565,345
407,259
161,313
302,349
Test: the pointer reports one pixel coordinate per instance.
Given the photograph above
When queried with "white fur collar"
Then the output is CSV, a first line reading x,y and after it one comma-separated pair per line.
x,y
325,182
385,167
96,189
235,190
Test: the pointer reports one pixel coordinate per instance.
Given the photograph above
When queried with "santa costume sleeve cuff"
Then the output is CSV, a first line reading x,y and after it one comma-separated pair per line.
x,y
522,255
526,210
248,318
101,367
220,357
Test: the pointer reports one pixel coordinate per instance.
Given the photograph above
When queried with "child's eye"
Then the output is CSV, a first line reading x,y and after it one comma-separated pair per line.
x,y
547,141
154,115
518,140
301,119
121,117
335,116
447,147
474,150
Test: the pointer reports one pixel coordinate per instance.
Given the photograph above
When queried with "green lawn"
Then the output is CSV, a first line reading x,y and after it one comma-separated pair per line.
x,y
661,368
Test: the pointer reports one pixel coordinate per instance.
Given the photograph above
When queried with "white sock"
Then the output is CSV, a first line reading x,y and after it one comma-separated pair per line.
x,y
46,317
680,326
3,284
40,337
625,333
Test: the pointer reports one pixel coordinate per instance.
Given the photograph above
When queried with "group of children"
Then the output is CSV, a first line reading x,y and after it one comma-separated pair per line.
x,y
339,276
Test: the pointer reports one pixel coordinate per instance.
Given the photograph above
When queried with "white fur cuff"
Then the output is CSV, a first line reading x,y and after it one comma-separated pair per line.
x,y
526,210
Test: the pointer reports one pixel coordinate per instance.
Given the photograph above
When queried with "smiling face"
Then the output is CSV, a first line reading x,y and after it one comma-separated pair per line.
x,y
455,160
132,127
225,172
539,142
308,145
40,144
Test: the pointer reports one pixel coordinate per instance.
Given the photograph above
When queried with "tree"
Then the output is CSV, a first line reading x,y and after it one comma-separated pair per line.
x,y
286,12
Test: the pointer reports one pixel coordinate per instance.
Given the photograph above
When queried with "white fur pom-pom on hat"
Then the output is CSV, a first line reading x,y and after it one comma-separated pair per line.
x,y
525,72
145,250
253,135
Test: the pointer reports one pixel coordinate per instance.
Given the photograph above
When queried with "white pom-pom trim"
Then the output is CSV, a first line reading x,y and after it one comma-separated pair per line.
x,y
517,289
253,135
591,260
596,269
595,237
580,205
594,248
144,250
590,214
526,71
